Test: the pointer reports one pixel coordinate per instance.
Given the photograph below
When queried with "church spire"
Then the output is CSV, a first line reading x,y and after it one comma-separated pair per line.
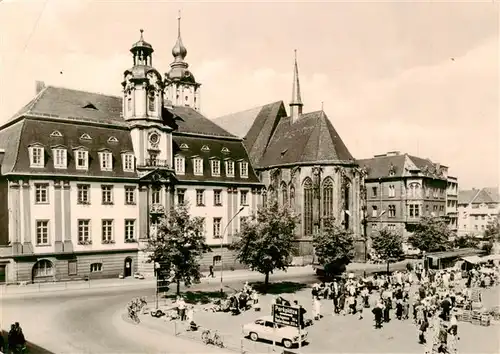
x,y
179,51
296,103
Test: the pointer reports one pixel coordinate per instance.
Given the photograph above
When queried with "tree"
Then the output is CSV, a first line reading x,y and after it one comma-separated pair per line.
x,y
266,240
178,246
465,241
492,235
334,247
431,235
388,244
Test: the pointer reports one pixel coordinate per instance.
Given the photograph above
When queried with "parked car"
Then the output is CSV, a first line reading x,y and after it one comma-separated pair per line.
x,y
264,328
138,276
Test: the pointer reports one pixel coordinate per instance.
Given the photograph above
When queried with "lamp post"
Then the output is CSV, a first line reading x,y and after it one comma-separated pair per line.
x,y
222,250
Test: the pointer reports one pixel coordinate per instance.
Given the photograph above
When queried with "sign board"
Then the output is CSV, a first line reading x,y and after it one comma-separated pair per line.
x,y
286,315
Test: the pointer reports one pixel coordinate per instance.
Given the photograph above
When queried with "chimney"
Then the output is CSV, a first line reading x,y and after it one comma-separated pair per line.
x,y
39,86
393,153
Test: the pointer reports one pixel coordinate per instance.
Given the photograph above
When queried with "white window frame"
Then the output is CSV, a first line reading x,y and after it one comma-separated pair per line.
x,y
130,195
42,233
244,197
84,230
95,267
81,190
215,167
180,165
181,196
37,156
198,166
107,194
130,229
244,169
200,197
156,191
392,191
217,227
84,156
107,230
41,190
60,158
128,161
229,168
106,160
217,197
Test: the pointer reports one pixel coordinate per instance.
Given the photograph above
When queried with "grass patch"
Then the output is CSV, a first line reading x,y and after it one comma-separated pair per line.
x,y
199,297
283,287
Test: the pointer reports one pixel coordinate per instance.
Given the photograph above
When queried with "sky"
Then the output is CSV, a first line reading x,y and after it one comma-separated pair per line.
x,y
416,77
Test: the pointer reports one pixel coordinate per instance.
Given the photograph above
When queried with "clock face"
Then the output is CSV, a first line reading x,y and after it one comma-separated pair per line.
x,y
154,138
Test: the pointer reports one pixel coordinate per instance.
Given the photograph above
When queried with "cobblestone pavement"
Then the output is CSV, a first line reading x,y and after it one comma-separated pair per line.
x,y
343,334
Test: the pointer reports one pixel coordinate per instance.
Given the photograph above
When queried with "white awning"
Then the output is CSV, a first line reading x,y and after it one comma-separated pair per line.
x,y
472,259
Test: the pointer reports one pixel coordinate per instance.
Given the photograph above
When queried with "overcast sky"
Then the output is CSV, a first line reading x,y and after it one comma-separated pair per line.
x,y
421,78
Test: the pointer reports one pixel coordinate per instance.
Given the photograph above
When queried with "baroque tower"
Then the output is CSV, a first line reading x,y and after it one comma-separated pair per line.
x,y
181,88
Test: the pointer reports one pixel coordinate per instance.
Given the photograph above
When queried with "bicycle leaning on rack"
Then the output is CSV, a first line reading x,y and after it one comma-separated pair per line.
x,y
214,339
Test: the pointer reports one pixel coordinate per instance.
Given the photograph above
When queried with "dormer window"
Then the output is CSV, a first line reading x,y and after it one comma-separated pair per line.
x,y
106,159
85,136
56,134
90,105
225,150
128,162
244,169
198,166
215,167
60,157
205,148
230,168
37,159
180,165
82,159
112,139
184,147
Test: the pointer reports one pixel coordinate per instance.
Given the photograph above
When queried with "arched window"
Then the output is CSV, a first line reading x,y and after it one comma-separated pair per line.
x,y
284,195
152,101
328,198
43,268
292,197
308,207
270,194
264,197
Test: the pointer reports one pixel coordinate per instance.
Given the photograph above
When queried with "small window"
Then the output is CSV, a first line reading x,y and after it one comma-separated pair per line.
x,y
42,233
374,211
84,232
41,193
181,196
200,197
83,196
43,268
95,267
155,195
106,161
60,158
205,148
72,267
90,106
85,136
216,259
107,194
374,192
217,197
217,227
129,230
198,167
244,169
112,139
225,150
184,147
243,197
82,159
129,103
107,231
37,158
230,168
215,168
392,191
129,195
56,134
128,163
152,102
180,165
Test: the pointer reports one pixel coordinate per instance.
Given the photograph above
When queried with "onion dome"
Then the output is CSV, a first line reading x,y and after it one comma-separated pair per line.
x,y
141,44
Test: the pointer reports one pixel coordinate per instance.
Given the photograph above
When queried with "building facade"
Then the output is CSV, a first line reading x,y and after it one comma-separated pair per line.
x,y
85,176
452,203
476,208
303,163
401,189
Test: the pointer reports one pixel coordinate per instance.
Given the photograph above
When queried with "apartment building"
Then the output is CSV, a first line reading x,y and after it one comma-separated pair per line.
x,y
476,208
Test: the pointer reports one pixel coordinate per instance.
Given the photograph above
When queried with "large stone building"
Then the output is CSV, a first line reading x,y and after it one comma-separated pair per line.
x,y
400,189
84,175
302,162
476,208
452,203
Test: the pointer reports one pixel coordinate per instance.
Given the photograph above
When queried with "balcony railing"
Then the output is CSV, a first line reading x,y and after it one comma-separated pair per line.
x,y
156,209
155,163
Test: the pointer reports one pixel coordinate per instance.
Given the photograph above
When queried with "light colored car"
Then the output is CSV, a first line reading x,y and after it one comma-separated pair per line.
x,y
138,276
263,328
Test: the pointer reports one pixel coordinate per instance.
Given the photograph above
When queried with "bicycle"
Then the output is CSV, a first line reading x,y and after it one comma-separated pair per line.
x,y
210,339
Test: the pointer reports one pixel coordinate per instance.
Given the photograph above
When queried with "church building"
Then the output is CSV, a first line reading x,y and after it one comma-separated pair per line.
x,y
303,162
84,176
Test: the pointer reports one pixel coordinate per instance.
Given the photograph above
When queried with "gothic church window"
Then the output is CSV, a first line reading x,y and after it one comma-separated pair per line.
x,y
328,198
292,197
264,197
284,195
308,207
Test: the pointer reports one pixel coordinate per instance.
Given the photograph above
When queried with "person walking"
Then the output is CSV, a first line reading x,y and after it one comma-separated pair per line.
x,y
317,308
453,334
377,314
181,306
211,271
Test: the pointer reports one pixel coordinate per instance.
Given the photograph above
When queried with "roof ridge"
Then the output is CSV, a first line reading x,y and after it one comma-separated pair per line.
x,y
248,109
84,91
474,198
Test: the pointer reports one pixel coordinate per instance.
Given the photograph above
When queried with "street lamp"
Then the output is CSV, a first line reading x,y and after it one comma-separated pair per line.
x,y
222,249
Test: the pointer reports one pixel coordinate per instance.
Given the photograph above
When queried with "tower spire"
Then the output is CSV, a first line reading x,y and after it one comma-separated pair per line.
x,y
179,51
296,103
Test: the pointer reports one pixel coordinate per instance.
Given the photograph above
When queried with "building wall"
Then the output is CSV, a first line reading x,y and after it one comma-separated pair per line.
x,y
474,218
4,211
